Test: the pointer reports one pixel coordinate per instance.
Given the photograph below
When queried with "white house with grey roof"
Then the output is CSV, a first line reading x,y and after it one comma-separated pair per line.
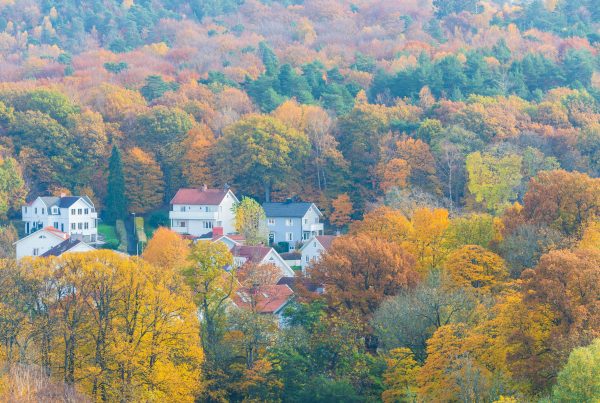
x,y
73,215
293,222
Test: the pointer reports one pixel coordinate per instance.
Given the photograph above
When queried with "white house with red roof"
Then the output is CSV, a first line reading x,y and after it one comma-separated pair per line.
x,y
313,249
197,211
73,215
260,255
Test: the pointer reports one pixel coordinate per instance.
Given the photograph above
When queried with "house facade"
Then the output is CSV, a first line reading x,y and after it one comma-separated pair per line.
x,y
73,215
197,211
313,249
292,222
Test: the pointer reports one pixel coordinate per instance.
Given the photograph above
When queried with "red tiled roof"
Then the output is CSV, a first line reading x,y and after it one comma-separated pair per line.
x,y
254,254
268,298
211,197
325,240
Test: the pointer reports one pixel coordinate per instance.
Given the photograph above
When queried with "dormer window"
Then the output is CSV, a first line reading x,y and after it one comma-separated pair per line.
x,y
54,210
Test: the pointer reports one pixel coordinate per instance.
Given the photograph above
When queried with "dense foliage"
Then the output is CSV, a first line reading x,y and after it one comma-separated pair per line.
x,y
455,144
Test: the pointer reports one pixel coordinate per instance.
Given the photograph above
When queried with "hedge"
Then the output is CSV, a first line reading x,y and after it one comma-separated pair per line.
x,y
122,233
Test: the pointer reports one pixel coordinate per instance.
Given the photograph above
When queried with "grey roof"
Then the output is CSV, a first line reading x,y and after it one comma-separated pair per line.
x,y
64,202
62,247
50,200
286,209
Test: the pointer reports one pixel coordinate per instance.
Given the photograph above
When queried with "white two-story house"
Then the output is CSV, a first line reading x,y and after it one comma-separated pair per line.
x,y
197,211
73,215
292,222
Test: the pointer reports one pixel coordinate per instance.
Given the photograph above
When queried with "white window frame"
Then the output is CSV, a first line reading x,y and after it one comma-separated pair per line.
x,y
289,237
271,221
289,222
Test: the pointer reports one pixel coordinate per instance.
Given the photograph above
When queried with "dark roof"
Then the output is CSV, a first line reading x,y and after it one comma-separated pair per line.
x,y
291,256
62,247
292,282
211,197
286,209
68,201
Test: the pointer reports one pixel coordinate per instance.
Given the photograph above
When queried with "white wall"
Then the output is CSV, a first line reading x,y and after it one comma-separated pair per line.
x,y
41,240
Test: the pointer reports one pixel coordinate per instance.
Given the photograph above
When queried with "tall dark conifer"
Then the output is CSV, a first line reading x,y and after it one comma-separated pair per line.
x,y
115,203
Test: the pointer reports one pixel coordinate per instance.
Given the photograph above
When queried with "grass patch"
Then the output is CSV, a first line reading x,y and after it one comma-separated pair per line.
x,y
110,236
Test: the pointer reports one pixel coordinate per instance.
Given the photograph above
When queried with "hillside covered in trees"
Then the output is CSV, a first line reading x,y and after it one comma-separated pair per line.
x,y
454,145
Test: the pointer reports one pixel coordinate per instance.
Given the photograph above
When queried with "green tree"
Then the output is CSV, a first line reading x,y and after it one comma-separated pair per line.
x,y
493,179
259,152
250,221
579,380
12,185
115,202
155,87
162,132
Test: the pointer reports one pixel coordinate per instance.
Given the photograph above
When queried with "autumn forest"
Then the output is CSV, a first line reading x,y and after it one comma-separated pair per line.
x,y
452,146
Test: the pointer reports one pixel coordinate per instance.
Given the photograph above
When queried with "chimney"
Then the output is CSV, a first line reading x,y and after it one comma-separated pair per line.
x,y
204,187
217,232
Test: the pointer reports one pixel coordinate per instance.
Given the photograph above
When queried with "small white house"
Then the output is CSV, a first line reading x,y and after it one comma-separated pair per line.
x,y
49,242
260,255
40,242
313,248
73,215
197,211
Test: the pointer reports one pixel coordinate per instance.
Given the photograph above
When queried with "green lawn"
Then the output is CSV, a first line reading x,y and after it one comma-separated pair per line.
x,y
109,234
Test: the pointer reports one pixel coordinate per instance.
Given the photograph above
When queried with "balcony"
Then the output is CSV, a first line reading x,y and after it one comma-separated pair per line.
x,y
317,228
193,215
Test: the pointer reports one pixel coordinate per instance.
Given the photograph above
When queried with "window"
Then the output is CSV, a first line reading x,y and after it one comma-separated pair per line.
x,y
307,258
182,224
54,210
25,210
43,211
73,211
79,211
315,244
289,222
35,210
271,221
181,208
73,226
306,221
80,226
55,224
289,236
86,226
86,211
94,224
208,224
36,251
